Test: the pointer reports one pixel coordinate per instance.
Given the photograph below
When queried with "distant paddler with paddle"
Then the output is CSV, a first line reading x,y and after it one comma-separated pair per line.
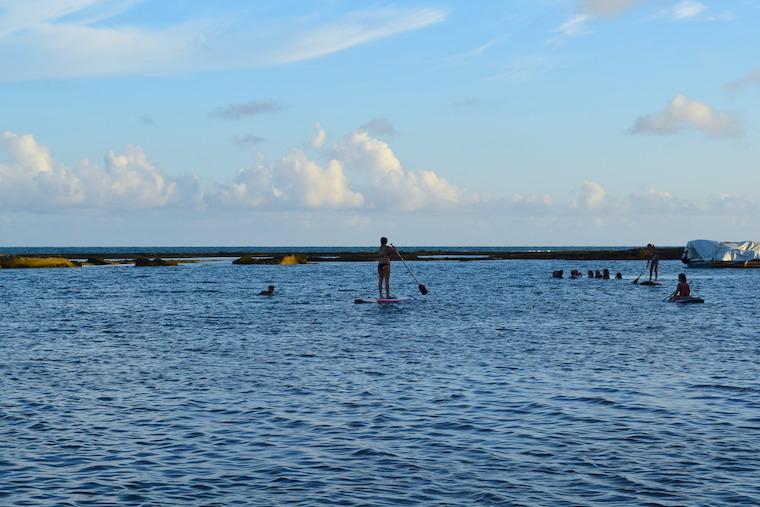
x,y
653,262
384,255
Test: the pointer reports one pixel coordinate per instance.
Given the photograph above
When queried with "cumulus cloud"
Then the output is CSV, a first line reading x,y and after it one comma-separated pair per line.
x,y
31,178
393,187
295,181
246,109
320,136
360,171
683,112
591,196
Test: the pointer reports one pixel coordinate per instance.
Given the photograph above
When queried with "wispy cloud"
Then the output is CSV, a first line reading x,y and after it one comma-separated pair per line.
x,y
379,127
353,30
248,140
682,112
246,109
589,10
471,53
683,11
73,38
750,79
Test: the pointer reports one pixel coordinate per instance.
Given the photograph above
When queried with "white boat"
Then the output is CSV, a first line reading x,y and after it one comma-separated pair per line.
x,y
705,253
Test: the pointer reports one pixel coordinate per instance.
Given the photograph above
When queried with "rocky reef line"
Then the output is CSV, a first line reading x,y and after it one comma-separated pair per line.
x,y
148,258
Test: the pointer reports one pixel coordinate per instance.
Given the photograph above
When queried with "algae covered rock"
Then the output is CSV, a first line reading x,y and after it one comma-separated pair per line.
x,y
22,261
285,260
143,262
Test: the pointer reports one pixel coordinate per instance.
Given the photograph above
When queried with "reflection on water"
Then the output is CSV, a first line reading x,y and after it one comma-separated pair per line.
x,y
162,386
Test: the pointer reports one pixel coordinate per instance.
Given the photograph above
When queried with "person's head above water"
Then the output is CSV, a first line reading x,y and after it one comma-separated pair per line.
x,y
271,288
383,241
682,277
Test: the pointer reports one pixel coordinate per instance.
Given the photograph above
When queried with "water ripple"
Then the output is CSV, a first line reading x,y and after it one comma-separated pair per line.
x,y
501,387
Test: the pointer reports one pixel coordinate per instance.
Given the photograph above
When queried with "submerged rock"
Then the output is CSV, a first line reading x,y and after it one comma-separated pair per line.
x,y
98,262
143,262
20,261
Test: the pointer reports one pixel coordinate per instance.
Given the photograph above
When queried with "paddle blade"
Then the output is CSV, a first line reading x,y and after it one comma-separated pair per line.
x,y
423,289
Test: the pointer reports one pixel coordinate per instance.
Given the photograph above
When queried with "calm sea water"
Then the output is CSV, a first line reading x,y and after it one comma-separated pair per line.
x,y
180,386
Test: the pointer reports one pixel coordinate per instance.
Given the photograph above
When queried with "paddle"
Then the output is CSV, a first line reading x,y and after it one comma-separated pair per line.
x,y
423,289
637,278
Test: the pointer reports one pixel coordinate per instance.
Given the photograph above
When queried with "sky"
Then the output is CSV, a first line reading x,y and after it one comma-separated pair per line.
x,y
333,122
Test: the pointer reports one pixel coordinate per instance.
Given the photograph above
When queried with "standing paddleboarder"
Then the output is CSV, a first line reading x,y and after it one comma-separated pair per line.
x,y
653,262
384,267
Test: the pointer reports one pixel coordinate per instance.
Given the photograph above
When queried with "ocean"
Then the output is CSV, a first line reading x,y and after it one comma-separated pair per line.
x,y
181,386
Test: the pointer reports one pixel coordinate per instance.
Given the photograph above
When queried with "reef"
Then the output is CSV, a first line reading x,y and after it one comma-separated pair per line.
x,y
142,262
285,260
23,261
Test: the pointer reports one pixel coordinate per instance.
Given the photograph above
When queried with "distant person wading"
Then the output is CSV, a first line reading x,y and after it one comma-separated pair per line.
x,y
384,267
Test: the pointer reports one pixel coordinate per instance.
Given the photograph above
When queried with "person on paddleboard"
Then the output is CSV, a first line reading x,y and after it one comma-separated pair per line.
x,y
683,290
384,255
653,262
268,292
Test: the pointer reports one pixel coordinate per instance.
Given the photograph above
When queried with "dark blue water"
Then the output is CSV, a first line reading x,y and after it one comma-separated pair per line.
x,y
179,386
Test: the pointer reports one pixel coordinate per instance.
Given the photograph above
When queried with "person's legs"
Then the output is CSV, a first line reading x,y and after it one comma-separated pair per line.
x,y
656,271
387,273
380,276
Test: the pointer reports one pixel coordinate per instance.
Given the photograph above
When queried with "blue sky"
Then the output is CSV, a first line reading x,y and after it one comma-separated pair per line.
x,y
146,122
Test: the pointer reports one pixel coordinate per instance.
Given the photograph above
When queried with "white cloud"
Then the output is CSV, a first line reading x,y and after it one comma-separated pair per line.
x,y
31,179
574,26
591,196
42,39
392,187
320,136
301,180
354,29
687,9
683,112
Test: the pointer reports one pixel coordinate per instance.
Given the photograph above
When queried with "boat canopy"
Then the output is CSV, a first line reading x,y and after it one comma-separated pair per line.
x,y
707,251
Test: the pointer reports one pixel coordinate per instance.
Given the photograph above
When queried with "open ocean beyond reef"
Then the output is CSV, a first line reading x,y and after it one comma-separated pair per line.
x,y
180,386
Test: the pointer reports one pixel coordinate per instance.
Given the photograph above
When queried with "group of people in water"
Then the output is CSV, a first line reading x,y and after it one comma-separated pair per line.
x,y
386,253
683,289
603,274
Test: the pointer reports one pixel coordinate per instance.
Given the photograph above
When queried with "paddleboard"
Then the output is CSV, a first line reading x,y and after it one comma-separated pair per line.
x,y
380,300
650,283
686,300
